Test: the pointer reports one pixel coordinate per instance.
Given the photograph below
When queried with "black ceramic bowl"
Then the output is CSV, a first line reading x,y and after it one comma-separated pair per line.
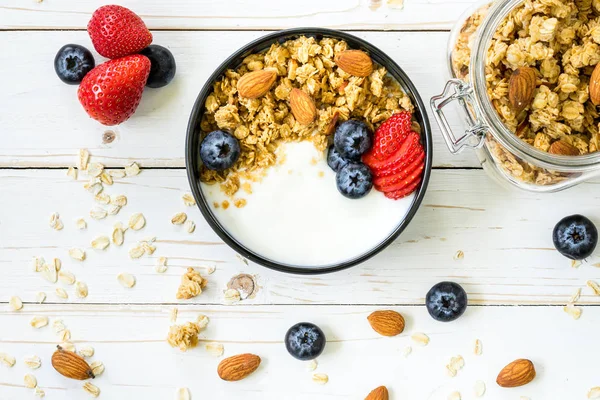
x,y
262,44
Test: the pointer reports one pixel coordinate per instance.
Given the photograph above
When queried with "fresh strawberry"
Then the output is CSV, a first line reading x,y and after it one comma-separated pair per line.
x,y
117,31
398,194
389,137
389,181
410,145
111,92
405,181
399,166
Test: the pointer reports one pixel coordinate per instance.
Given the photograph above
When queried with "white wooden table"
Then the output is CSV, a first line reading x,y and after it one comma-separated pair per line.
x,y
517,284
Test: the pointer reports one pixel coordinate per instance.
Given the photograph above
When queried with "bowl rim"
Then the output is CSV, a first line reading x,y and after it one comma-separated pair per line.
x,y
260,44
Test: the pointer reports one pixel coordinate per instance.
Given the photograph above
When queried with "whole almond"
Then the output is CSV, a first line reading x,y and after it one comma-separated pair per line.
x,y
595,86
379,393
386,322
563,148
354,62
520,88
238,367
517,373
71,365
302,106
256,84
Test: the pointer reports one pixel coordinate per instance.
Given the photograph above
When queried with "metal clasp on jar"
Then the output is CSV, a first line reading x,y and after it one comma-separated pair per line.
x,y
474,134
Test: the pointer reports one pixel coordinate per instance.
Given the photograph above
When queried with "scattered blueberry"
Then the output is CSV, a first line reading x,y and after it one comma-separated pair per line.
x,y
162,65
354,180
446,301
334,160
72,63
305,341
219,150
352,139
575,237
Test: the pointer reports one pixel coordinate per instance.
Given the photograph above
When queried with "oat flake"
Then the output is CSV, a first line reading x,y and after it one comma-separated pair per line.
x,y
38,264
118,236
106,178
575,263
113,209
573,311
39,392
576,296
77,254
95,169
97,368
312,365
91,389
320,378
183,394
117,173
98,213
132,169
232,296
479,388
65,335
119,200
190,226
72,173
81,224
49,273
66,277
33,362
137,221
58,326
68,346
202,321
188,199
30,381
102,198
40,297
478,349
84,158
81,290
38,322
406,351
594,286
459,255
7,360
161,265
179,218
15,303
100,243
420,339
136,252
454,396
216,349
86,351
173,315
594,393
55,222
126,280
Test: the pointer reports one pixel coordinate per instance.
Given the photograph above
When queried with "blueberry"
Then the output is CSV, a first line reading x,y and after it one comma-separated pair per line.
x,y
575,237
334,160
305,341
162,65
446,301
72,63
354,180
219,150
352,139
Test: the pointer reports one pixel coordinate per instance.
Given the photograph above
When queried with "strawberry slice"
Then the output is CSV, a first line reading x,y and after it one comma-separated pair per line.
x,y
414,167
410,178
402,164
389,137
408,147
398,194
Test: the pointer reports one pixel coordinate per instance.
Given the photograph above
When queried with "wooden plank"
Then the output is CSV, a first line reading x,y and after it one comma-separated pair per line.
x,y
130,341
47,125
506,238
240,14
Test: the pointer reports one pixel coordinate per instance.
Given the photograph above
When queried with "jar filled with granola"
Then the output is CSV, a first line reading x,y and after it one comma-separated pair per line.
x,y
523,74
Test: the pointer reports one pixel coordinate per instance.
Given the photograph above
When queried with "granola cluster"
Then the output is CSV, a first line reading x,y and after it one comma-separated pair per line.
x,y
561,40
261,124
192,284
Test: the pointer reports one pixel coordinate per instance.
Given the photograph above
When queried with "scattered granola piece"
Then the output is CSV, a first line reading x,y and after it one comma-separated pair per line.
x,y
40,297
225,204
119,200
126,280
573,311
594,286
173,315
132,169
232,296
459,255
66,277
240,203
576,296
33,362
184,336
594,393
407,350
137,221
84,158
454,396
95,169
117,173
420,339
100,243
188,199
189,226
77,254
312,365
81,224
102,198
39,392
55,222
320,378
7,360
38,322
183,394
192,284
97,368
202,321
179,218
161,265
455,365
72,173
86,351
118,236
479,388
30,381
81,290
98,213
15,303
216,349
93,390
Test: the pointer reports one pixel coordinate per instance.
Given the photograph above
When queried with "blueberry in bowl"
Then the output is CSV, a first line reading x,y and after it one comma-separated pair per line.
x,y
335,161
354,180
352,139
575,237
305,341
219,150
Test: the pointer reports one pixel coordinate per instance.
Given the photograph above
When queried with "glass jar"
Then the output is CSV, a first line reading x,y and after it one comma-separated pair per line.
x,y
505,156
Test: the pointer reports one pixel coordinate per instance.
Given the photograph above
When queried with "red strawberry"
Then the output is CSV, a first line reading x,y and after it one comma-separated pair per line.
x,y
111,92
117,31
409,146
398,167
398,194
389,137
416,165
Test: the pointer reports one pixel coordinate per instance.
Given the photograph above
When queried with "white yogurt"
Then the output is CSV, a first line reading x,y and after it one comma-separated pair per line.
x,y
296,215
